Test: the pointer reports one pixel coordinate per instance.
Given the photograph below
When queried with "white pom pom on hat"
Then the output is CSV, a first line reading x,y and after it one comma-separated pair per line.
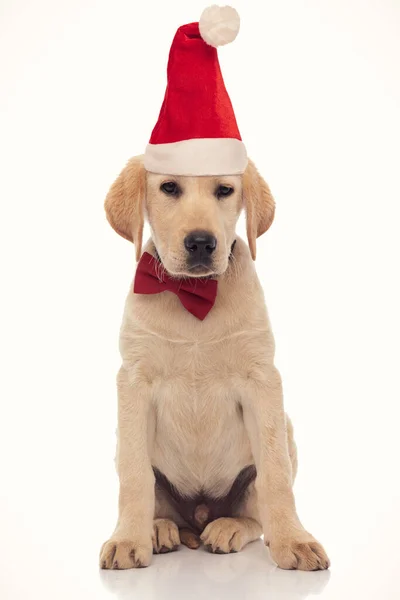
x,y
219,25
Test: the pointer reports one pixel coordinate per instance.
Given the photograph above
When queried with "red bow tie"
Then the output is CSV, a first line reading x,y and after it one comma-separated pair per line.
x,y
196,295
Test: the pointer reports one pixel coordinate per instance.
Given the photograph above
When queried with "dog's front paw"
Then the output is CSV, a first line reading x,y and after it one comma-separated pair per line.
x,y
165,536
223,536
125,554
303,553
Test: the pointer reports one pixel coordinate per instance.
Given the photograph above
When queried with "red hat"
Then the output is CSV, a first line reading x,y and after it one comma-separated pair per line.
x,y
196,132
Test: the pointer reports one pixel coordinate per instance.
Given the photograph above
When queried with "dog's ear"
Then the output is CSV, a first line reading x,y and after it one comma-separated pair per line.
x,y
124,204
259,205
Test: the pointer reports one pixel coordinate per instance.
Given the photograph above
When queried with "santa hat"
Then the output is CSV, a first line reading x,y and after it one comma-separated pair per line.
x,y
196,132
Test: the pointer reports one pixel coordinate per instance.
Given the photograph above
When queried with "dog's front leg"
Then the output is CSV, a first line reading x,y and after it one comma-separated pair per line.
x,y
291,546
131,543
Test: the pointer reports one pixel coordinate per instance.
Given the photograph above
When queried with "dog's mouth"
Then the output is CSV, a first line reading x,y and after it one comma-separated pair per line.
x,y
183,269
200,270
203,266
199,265
188,267
196,272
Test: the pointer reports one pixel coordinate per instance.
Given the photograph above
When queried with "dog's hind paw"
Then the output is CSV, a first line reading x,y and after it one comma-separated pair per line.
x,y
223,536
189,538
165,536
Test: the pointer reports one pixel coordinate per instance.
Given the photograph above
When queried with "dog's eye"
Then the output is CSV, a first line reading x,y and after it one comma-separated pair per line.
x,y
170,188
223,191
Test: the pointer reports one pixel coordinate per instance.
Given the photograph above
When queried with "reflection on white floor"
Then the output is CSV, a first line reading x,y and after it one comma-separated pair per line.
x,y
249,574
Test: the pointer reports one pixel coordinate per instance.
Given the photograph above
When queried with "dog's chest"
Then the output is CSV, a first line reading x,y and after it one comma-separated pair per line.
x,y
195,385
200,436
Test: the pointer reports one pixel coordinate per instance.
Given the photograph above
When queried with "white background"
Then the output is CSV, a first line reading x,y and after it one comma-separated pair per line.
x,y
316,89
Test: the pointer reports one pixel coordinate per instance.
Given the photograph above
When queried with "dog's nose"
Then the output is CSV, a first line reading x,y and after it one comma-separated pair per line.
x,y
200,242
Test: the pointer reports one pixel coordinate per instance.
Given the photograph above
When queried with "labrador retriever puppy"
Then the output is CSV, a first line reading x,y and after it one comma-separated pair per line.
x,y
205,450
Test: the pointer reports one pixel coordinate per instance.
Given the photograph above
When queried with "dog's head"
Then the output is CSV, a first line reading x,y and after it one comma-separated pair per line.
x,y
192,219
